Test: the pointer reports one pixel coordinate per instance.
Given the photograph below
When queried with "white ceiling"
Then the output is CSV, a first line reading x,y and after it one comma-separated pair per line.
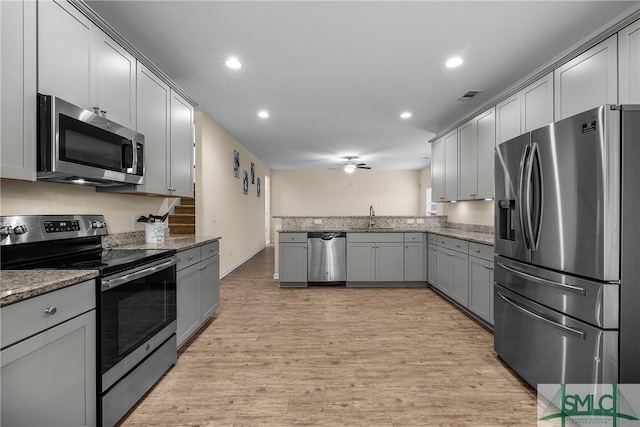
x,y
335,75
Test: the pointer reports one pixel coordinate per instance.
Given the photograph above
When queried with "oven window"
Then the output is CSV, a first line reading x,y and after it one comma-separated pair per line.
x,y
133,312
88,145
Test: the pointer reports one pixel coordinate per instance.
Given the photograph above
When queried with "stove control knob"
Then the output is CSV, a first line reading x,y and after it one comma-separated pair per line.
x,y
98,224
20,229
5,230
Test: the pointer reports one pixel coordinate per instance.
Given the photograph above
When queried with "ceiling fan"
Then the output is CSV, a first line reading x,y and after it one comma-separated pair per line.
x,y
349,166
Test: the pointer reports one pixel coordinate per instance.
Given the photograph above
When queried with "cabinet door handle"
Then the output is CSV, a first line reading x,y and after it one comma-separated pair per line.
x,y
51,310
413,238
477,250
457,246
202,268
191,257
450,254
407,247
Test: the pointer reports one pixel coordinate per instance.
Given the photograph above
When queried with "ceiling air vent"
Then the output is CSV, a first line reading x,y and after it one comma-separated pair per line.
x,y
469,95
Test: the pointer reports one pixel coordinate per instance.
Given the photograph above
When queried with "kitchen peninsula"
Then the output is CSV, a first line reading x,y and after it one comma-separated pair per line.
x,y
397,251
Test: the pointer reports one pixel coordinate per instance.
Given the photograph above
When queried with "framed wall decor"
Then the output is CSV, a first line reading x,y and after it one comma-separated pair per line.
x,y
245,182
258,187
236,164
253,173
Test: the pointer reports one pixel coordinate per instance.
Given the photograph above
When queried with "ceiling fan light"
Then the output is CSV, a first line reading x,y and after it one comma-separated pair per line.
x,y
350,168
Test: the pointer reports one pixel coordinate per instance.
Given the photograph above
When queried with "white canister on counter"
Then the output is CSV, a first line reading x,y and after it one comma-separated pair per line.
x,y
154,232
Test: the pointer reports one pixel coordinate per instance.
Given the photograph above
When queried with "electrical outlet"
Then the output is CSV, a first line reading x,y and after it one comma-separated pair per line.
x,y
317,221
474,218
420,220
214,218
411,221
134,221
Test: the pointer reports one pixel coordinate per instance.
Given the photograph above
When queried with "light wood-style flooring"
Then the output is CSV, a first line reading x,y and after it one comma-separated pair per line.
x,y
332,356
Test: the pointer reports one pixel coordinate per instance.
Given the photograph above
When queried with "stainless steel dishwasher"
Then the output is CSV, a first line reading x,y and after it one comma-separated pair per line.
x,y
327,258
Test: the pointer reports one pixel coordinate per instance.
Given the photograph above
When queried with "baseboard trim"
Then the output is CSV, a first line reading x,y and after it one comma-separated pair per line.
x,y
242,261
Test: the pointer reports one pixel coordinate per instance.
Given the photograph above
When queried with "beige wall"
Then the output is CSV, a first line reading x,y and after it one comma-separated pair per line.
x,y
425,182
471,212
221,207
335,193
42,198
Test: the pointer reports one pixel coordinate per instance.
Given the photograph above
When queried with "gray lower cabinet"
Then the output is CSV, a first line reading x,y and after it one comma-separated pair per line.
x,y
432,264
481,281
48,359
375,259
198,288
463,271
414,258
453,275
293,260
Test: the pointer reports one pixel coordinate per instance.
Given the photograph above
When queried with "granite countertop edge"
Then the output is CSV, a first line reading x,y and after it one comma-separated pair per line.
x,y
19,285
471,236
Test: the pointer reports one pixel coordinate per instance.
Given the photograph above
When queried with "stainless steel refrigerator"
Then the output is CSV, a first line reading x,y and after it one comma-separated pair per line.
x,y
567,263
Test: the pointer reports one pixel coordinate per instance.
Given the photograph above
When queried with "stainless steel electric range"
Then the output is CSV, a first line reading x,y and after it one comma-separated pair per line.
x,y
135,294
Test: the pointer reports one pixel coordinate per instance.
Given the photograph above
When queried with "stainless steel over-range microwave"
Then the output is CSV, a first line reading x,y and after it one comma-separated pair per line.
x,y
78,145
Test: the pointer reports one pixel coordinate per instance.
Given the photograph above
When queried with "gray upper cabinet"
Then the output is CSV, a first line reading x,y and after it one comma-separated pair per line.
x,y
153,122
450,142
66,57
589,80
116,81
81,64
508,119
437,170
18,88
477,142
536,102
528,109
180,165
629,57
444,169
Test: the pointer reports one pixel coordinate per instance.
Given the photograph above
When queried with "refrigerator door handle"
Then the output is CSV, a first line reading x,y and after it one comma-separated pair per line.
x,y
521,182
537,194
578,289
574,331
528,180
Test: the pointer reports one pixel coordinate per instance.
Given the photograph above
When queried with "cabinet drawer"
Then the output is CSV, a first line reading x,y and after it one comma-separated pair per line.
x,y
293,237
188,257
371,237
28,317
453,244
432,238
209,250
481,251
414,237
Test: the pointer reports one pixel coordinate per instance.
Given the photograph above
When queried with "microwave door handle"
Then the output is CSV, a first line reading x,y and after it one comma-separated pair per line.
x,y
521,204
134,153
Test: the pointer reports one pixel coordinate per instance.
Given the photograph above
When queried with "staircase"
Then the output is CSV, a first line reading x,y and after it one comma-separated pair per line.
x,y
183,222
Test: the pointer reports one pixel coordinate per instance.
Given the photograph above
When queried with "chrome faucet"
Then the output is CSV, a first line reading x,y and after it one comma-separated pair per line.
x,y
372,213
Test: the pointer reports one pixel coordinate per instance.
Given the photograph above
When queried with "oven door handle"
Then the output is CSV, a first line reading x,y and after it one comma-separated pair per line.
x,y
112,283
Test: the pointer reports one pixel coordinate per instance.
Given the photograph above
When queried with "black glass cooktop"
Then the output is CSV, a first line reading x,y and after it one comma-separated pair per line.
x,y
108,261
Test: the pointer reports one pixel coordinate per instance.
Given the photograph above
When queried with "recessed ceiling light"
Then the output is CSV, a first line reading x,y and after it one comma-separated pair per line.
x,y
233,63
454,62
263,114
405,115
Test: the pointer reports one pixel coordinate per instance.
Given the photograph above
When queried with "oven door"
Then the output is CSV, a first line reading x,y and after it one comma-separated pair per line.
x,y
137,315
